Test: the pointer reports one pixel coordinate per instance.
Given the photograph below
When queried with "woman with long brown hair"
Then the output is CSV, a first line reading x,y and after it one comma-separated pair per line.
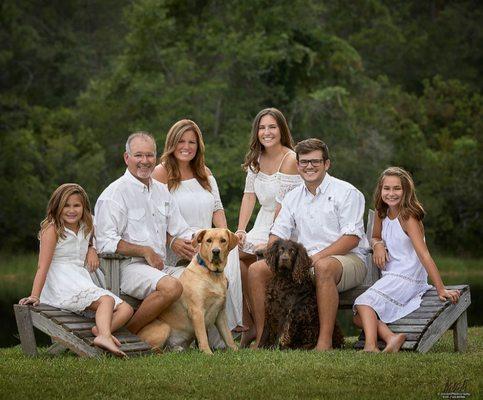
x,y
271,169
189,180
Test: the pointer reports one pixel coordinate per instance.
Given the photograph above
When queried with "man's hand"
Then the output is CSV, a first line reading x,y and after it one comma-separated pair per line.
x,y
183,248
92,260
153,258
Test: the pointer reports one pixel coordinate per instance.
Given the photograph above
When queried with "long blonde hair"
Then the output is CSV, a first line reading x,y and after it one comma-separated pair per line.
x,y
57,203
256,148
409,206
197,164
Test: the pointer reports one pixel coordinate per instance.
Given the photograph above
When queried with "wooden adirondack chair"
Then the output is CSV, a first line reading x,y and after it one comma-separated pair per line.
x,y
72,331
428,323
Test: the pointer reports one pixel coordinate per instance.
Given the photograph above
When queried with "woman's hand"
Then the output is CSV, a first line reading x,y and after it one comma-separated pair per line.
x,y
242,237
34,300
92,259
183,248
451,295
380,256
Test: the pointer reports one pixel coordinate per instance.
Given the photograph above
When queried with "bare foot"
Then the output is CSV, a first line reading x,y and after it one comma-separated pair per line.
x,y
108,344
95,332
371,349
240,329
247,337
116,341
395,343
323,346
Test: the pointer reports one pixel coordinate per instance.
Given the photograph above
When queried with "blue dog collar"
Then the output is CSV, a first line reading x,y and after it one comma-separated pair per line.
x,y
202,262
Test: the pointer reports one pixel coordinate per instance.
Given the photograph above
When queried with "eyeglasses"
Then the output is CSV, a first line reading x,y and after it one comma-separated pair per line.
x,y
315,162
140,156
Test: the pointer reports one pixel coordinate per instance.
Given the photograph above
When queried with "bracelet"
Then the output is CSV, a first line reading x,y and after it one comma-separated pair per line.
x,y
34,297
241,231
378,242
172,241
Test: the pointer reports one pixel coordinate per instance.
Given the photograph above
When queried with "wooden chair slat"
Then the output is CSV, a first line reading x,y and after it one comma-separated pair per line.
x,y
413,321
78,326
56,313
44,307
72,318
136,346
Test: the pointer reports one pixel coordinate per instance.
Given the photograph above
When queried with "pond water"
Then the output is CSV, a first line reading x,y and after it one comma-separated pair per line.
x,y
9,333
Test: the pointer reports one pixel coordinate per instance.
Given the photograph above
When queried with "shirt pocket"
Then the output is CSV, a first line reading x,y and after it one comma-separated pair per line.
x,y
326,216
160,217
137,228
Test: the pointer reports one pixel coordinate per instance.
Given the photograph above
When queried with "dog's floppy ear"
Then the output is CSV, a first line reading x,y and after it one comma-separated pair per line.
x,y
233,240
198,237
302,264
271,255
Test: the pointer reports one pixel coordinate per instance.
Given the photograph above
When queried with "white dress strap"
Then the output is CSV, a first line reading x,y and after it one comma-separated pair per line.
x,y
283,158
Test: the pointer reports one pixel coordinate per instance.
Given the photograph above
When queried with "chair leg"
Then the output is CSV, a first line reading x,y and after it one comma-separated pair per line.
x,y
460,333
56,348
25,329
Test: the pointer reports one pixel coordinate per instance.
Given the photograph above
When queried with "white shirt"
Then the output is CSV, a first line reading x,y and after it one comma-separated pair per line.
x,y
318,221
127,209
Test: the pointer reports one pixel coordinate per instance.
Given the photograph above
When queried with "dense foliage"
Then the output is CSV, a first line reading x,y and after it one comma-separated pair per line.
x,y
382,82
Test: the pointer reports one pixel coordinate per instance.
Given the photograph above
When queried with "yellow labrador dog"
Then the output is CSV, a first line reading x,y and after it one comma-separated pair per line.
x,y
202,303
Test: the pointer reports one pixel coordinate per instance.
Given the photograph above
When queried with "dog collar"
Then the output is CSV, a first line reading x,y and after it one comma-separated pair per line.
x,y
202,262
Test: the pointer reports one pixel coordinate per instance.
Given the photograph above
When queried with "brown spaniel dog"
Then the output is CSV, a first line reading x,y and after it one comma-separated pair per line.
x,y
292,320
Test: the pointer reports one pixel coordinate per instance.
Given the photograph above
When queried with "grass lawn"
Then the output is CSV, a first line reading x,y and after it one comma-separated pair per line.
x,y
341,374
248,374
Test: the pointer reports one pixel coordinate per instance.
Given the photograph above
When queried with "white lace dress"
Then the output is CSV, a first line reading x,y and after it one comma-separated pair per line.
x,y
68,284
404,280
269,190
197,206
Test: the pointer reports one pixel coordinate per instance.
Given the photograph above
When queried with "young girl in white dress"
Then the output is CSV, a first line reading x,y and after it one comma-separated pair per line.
x,y
195,190
61,280
271,169
401,253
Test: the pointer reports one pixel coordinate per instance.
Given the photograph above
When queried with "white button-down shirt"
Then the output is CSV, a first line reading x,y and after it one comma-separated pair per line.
x,y
129,210
318,221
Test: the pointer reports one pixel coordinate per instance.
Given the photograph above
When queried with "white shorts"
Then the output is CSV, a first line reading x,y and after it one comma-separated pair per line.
x,y
139,279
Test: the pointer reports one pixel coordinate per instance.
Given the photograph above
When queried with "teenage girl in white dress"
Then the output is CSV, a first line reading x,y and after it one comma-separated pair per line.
x,y
401,253
61,280
195,190
271,172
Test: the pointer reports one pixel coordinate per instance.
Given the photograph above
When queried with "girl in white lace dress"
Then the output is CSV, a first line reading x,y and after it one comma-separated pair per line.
x,y
62,280
195,189
271,172
401,253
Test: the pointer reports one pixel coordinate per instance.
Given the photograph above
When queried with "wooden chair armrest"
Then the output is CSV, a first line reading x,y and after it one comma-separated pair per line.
x,y
112,256
110,266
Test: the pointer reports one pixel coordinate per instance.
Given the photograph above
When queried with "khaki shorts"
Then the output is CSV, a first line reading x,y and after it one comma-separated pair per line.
x,y
353,272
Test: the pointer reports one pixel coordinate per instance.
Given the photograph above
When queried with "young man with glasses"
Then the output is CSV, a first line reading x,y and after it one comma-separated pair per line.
x,y
326,216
